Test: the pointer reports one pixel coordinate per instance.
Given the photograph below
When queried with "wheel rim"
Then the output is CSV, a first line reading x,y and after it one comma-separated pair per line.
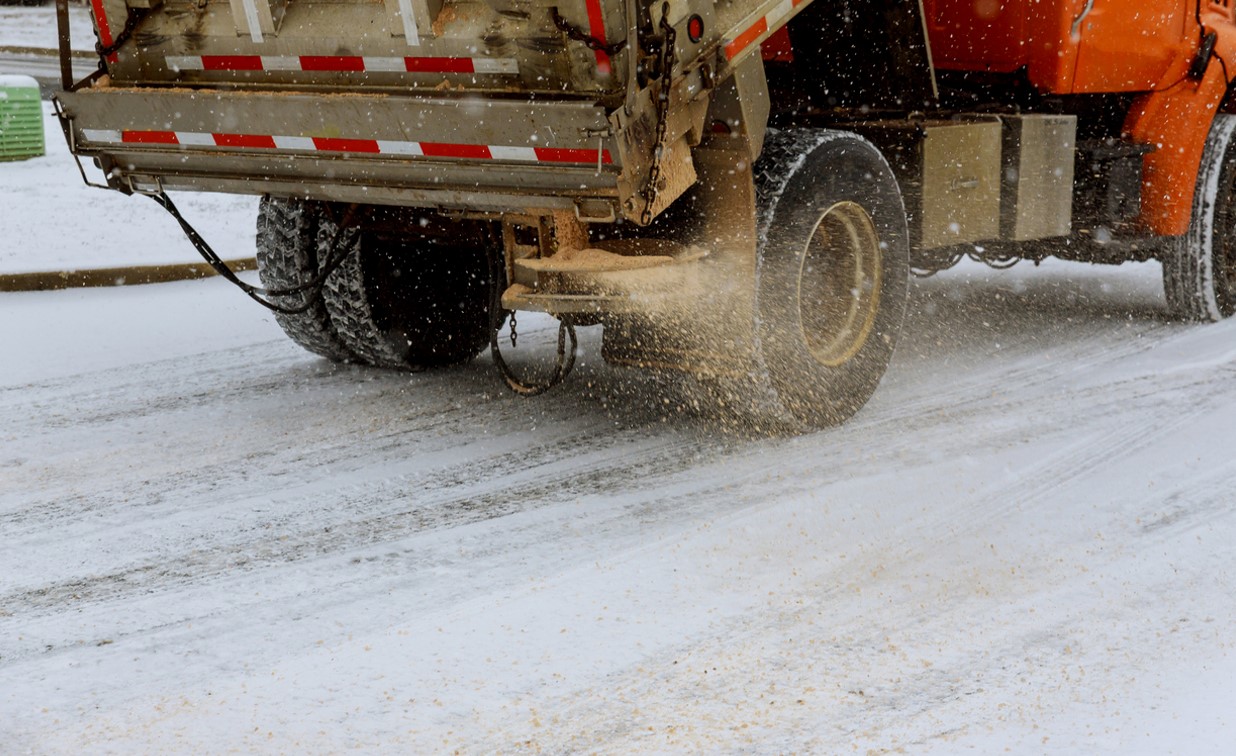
x,y
839,284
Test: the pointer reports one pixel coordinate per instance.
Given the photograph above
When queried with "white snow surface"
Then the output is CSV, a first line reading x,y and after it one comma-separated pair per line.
x,y
214,542
36,27
53,221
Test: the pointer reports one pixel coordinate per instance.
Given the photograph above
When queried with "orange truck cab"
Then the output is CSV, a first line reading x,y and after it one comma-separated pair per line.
x,y
1172,56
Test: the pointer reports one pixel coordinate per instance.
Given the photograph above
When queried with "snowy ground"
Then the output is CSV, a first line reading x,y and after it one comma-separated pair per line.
x,y
53,221
214,542
22,27
44,196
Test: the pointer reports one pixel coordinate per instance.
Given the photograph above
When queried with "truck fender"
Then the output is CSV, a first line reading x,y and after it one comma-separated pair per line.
x,y
1175,119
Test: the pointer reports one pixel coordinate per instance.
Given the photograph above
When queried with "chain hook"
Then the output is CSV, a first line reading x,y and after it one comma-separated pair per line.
x,y
565,360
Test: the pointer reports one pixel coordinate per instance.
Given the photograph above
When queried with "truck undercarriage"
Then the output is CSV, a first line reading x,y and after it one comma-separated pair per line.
x,y
735,189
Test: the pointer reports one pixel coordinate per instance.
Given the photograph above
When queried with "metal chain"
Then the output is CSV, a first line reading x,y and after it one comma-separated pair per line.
x,y
514,335
130,25
562,367
652,188
579,35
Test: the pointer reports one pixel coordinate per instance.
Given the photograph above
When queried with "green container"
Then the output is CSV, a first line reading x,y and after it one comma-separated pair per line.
x,y
21,118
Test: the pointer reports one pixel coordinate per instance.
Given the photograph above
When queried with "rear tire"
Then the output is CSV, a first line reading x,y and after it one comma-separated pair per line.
x,y
287,231
1199,271
406,301
832,273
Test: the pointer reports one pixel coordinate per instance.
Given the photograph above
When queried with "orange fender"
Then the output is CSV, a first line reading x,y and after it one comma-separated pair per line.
x,y
1176,119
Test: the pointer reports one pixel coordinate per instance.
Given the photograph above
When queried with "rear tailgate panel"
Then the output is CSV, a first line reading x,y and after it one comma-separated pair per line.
x,y
360,147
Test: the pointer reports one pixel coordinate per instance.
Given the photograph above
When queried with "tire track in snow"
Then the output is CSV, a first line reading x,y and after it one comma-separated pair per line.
x,y
369,507
402,553
864,688
920,410
456,496
1074,359
38,518
85,398
379,421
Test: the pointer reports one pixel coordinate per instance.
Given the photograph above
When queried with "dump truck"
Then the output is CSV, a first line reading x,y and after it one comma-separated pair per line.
x,y
735,189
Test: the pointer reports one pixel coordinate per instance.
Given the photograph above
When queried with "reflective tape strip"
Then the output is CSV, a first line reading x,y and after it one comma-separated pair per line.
x,y
270,63
386,65
343,144
495,65
101,135
195,139
399,148
335,144
513,153
596,28
342,64
245,141
565,155
149,137
251,18
332,63
740,43
294,143
741,38
410,32
184,63
452,150
105,30
779,13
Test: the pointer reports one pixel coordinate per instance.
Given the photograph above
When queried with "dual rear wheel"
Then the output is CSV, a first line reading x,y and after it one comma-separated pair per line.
x,y
402,297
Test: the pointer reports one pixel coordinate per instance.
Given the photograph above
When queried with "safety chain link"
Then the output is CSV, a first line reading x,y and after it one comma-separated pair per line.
x,y
579,35
131,21
568,344
668,57
514,335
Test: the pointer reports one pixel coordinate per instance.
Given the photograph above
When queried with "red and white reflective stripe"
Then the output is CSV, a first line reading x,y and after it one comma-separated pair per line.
x,y
337,144
105,30
750,32
596,28
342,63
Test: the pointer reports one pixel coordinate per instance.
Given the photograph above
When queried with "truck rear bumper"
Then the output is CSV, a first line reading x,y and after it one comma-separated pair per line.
x,y
468,154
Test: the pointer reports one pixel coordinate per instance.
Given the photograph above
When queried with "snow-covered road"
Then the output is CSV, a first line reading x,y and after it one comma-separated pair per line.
x,y
211,541
215,541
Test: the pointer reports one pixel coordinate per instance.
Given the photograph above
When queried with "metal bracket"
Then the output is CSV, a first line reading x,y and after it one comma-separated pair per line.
x,y
133,188
595,211
66,124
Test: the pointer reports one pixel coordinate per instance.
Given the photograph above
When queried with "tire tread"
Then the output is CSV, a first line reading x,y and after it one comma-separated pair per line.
x,y
287,257
1189,265
347,300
